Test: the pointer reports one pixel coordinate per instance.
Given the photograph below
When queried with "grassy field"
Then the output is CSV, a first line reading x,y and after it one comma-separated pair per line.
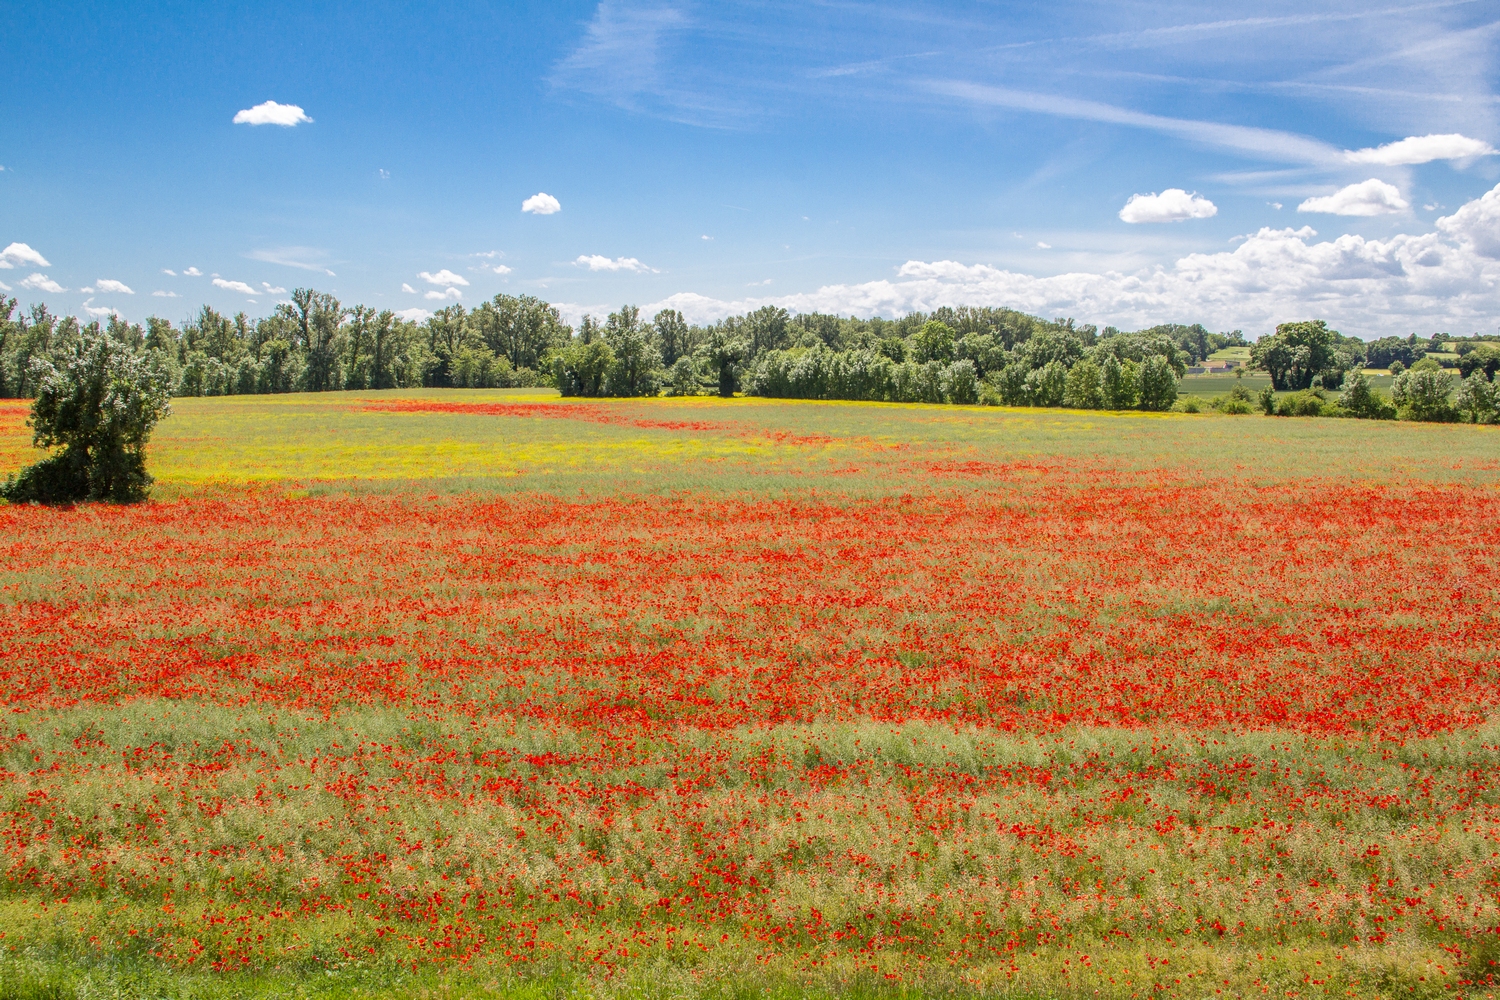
x,y
478,693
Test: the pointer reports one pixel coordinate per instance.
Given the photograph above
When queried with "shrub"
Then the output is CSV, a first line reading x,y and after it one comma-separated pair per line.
x,y
1189,405
99,404
1478,398
1307,403
1361,401
1267,400
1421,392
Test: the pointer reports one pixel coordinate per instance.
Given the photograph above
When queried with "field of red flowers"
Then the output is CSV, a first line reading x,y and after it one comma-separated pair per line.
x,y
1025,725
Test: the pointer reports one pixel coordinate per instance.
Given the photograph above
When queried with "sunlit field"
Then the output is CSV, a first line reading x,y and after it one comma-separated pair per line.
x,y
477,693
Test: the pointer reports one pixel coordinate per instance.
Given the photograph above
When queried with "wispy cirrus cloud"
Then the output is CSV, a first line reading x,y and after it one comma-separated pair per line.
x,y
1262,143
301,258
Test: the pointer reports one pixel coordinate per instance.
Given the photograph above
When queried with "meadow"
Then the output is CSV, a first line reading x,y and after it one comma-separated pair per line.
x,y
495,693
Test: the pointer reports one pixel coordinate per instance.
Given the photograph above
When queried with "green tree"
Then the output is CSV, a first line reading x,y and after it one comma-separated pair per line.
x,y
1158,384
519,328
960,382
674,338
1046,385
1361,400
582,368
1084,386
1300,355
1478,398
320,319
767,329
1422,392
1120,383
635,371
1484,358
724,354
934,342
97,403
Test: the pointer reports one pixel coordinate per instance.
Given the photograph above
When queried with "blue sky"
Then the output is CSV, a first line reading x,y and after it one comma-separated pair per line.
x,y
864,157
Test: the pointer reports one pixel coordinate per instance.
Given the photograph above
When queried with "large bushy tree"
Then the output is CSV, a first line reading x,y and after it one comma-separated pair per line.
x,y
97,404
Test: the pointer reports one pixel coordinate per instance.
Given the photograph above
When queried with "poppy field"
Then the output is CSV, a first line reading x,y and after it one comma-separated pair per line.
x,y
493,693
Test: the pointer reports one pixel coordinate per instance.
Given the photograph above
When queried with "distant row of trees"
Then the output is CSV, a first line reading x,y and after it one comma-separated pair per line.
x,y
955,355
315,343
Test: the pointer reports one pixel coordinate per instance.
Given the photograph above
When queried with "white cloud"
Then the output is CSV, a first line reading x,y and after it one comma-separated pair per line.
x,y
272,289
20,253
234,286
86,290
1172,205
385,175
193,272
489,254
1259,142
42,283
412,315
165,295
302,258
541,203
443,277
500,269
1043,246
4,287
1475,227
1422,149
1275,204
168,270
271,113
1445,279
1371,197
596,262
408,289
710,237
447,293
111,285
99,312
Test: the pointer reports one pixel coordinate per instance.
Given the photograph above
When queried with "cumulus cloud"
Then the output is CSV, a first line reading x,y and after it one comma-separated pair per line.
x,y
541,203
20,253
168,270
99,312
1421,149
111,285
408,289
272,289
1371,197
1172,205
234,286
42,283
596,262
443,277
500,269
165,295
271,113
1445,279
193,272
412,315
447,293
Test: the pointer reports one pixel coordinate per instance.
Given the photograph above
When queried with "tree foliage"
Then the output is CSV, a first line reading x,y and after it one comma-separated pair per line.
x,y
97,404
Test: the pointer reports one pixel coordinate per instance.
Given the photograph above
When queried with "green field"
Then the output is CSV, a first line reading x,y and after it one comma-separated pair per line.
x,y
494,693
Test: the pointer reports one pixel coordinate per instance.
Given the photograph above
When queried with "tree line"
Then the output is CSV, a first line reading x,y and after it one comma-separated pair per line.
x,y
952,355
